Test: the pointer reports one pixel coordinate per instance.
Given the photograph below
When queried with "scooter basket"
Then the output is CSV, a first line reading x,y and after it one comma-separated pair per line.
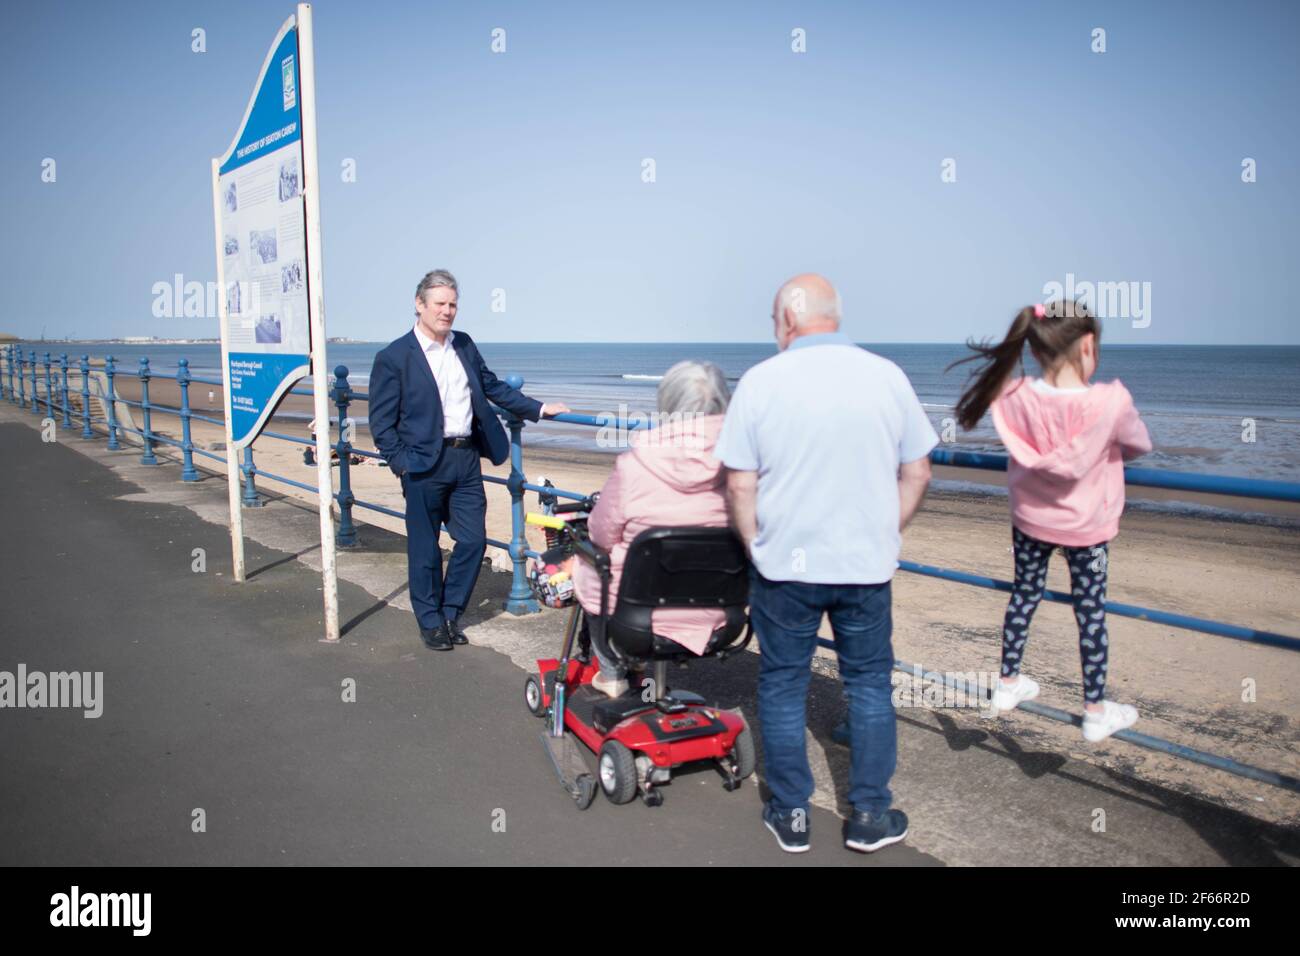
x,y
550,583
551,586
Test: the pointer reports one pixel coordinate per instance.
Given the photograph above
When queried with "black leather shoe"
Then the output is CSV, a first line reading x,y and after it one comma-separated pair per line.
x,y
457,635
436,638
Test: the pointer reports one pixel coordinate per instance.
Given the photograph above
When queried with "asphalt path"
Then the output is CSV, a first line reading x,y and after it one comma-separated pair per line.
x,y
222,708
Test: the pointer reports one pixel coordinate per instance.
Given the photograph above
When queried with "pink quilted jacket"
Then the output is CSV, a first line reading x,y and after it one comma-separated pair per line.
x,y
668,477
1067,449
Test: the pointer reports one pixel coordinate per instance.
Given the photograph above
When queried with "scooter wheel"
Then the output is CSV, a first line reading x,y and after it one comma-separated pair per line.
x,y
533,699
617,772
743,752
586,791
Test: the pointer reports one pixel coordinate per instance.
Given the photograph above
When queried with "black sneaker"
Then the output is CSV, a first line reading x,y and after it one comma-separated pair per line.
x,y
790,829
866,832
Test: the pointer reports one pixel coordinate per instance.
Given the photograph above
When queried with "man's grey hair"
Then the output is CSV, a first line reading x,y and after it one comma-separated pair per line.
x,y
692,387
808,308
438,277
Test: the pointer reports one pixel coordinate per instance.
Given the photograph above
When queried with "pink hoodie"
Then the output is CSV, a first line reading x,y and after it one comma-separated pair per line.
x,y
1066,473
668,478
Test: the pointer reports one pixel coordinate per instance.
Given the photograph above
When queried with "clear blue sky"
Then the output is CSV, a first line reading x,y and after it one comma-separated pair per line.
x,y
523,170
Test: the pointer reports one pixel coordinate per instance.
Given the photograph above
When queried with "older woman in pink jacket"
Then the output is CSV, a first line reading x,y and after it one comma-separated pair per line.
x,y
669,477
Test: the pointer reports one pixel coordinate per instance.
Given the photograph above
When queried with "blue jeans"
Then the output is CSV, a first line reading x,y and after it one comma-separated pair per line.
x,y
786,615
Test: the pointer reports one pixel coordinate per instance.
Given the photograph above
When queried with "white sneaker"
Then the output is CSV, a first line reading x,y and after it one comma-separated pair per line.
x,y
1113,717
610,688
1009,696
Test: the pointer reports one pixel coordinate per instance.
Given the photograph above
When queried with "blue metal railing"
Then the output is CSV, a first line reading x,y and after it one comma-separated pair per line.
x,y
1146,741
1217,628
14,385
1148,477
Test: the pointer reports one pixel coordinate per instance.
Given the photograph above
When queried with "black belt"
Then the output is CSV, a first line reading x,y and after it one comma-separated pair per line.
x,y
458,442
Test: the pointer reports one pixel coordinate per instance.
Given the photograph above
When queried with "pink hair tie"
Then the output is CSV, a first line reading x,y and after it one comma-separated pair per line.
x,y
1039,311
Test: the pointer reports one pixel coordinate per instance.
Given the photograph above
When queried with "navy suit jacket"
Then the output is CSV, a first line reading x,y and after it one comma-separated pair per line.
x,y
406,410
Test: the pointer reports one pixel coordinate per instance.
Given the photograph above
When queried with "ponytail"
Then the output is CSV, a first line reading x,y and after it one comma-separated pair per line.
x,y
1052,333
999,361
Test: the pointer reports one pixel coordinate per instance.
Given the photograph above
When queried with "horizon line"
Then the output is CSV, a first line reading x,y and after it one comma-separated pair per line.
x,y
771,342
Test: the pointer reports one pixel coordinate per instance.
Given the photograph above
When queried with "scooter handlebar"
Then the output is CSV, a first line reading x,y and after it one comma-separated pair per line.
x,y
586,504
546,521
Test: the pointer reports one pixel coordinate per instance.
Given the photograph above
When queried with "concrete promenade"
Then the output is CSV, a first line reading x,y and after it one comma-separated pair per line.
x,y
220,697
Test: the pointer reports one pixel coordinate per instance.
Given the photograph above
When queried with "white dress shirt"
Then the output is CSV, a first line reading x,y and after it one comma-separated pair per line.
x,y
453,384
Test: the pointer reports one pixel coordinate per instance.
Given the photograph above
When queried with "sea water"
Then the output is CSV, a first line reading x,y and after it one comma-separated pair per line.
x,y
1231,410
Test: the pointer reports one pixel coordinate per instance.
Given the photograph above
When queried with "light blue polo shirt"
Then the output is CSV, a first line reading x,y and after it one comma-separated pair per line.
x,y
825,424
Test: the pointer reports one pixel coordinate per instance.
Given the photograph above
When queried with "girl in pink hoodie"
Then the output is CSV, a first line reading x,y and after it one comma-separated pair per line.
x,y
1067,442
668,477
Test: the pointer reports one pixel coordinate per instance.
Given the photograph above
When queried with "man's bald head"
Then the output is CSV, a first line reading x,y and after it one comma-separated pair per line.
x,y
806,304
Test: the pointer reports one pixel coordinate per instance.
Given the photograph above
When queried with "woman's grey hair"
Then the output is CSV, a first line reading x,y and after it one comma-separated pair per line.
x,y
438,277
692,387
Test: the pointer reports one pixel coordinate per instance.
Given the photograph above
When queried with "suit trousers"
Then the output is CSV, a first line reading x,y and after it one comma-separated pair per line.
x,y
451,493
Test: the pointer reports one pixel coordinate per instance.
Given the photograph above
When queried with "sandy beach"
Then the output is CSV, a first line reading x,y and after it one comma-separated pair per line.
x,y
1225,696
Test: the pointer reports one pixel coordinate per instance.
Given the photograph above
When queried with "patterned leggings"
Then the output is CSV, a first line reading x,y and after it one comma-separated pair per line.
x,y
1087,592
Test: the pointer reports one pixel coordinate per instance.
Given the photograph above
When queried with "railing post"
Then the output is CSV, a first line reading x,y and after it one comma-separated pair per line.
x,y
148,458
111,399
251,498
6,377
85,398
36,408
22,382
188,471
521,600
63,390
49,389
346,535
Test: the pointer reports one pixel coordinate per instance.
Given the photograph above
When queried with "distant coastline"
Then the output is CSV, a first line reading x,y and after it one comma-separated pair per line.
x,y
11,338
152,340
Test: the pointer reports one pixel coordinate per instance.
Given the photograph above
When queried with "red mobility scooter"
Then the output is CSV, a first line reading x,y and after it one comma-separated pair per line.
x,y
641,737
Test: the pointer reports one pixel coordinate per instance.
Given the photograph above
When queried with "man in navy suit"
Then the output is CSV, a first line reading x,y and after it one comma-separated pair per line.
x,y
430,417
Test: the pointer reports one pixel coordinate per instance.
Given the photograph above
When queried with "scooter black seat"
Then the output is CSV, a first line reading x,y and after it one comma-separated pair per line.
x,y
671,567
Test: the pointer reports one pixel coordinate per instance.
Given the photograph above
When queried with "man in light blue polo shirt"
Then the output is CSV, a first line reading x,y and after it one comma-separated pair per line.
x,y
826,447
